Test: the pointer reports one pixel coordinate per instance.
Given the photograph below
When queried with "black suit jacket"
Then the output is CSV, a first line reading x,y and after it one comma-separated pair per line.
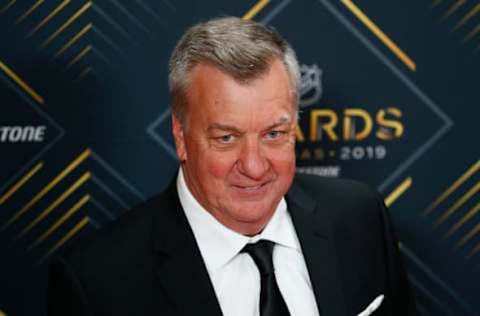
x,y
148,262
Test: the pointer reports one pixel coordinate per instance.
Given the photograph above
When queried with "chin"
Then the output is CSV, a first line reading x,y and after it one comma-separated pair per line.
x,y
254,213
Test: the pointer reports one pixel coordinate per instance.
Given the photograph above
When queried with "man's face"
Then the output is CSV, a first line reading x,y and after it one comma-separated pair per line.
x,y
238,144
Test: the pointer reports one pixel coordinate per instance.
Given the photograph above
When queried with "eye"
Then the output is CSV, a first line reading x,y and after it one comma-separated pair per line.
x,y
226,139
275,134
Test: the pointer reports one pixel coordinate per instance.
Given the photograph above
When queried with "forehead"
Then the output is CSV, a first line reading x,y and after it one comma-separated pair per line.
x,y
212,90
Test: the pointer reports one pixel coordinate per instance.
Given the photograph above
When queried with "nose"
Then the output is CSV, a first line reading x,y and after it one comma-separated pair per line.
x,y
252,161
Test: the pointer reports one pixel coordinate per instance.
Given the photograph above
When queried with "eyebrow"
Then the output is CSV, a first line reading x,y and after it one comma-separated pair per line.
x,y
225,127
281,121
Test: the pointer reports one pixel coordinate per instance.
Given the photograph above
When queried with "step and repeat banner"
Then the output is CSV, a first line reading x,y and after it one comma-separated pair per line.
x,y
390,96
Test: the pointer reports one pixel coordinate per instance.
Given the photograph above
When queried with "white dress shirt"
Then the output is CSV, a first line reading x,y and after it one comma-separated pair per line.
x,y
234,275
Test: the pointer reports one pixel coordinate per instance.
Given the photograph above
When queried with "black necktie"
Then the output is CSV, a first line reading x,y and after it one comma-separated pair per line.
x,y
271,300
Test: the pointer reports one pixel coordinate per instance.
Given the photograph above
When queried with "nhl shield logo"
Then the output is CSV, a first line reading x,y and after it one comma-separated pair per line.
x,y
311,85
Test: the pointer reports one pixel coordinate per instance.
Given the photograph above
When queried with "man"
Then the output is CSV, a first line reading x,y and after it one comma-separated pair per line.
x,y
235,233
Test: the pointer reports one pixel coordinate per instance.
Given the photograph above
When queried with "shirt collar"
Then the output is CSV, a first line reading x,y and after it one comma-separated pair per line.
x,y
219,244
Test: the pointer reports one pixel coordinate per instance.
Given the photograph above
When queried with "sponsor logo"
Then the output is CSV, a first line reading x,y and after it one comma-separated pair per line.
x,y
22,134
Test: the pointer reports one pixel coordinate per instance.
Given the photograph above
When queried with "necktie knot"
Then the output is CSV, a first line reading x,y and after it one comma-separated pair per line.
x,y
261,253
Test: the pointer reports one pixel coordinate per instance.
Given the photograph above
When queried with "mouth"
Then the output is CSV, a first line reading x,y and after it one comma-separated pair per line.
x,y
252,189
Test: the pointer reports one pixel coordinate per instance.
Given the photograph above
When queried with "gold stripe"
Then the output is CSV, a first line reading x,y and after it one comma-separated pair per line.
x,y
66,24
2,313
74,39
5,8
474,250
472,34
474,168
392,197
84,155
83,73
21,182
380,35
457,204
472,212
84,178
255,9
468,236
49,17
29,11
79,56
453,8
467,17
65,238
21,83
60,221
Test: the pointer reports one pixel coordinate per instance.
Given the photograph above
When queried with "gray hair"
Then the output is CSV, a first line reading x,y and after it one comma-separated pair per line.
x,y
240,48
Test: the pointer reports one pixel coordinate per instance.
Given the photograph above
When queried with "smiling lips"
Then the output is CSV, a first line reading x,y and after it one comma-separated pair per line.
x,y
249,190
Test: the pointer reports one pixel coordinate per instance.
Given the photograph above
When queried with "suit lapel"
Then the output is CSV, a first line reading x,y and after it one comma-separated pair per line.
x,y
314,232
179,266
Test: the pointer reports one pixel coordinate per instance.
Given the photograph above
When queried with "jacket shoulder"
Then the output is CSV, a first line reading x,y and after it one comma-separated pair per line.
x,y
335,189
345,202
118,241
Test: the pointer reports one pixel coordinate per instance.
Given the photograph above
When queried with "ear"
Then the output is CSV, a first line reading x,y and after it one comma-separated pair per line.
x,y
179,138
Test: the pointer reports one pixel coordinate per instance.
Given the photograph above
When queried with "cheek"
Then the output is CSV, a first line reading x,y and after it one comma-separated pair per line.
x,y
219,166
284,156
284,165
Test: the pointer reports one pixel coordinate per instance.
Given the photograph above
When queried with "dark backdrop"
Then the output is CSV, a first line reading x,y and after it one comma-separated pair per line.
x,y
390,96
